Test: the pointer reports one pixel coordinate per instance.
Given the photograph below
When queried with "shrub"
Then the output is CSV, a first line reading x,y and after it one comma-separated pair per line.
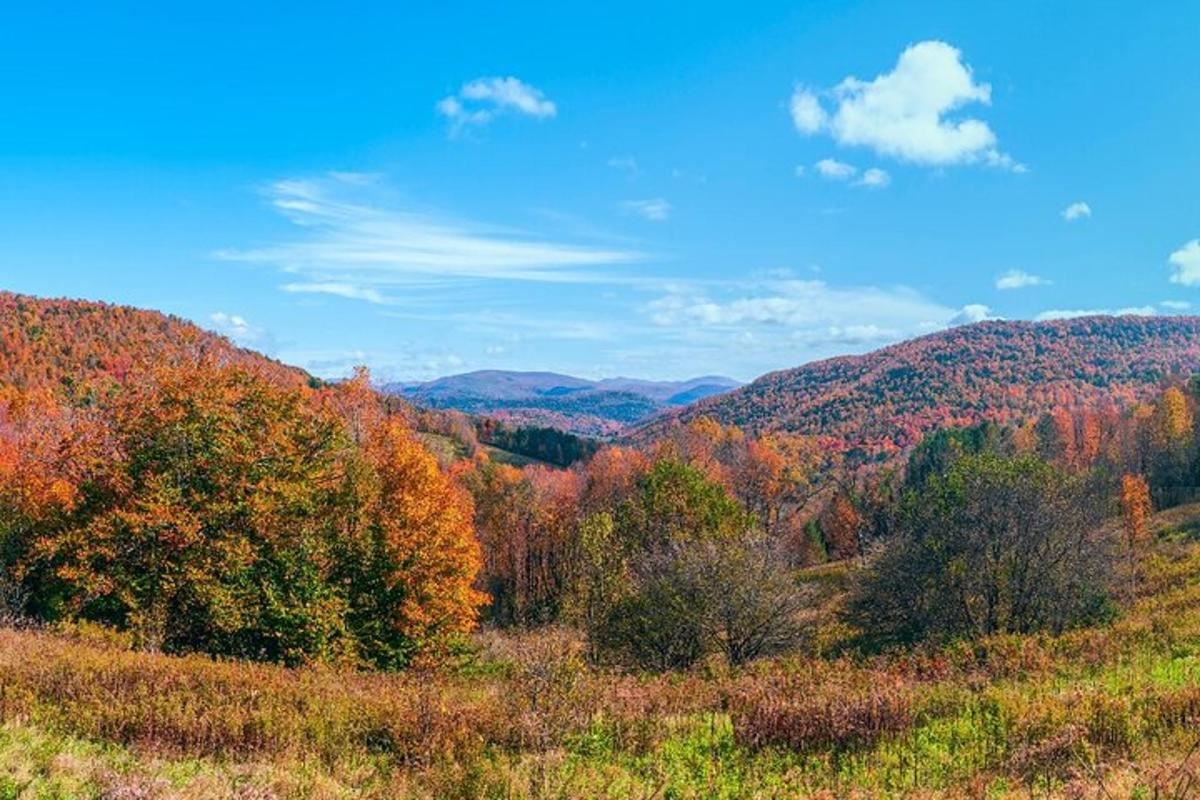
x,y
994,545
808,717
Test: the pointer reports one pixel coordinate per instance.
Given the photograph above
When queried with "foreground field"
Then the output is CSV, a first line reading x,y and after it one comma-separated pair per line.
x,y
1105,712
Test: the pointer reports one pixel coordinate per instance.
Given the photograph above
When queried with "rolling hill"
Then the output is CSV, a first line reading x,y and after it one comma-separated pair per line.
x,y
881,403
75,345
560,401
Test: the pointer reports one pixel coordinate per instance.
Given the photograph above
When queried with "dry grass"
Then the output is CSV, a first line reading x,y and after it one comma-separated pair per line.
x,y
1111,711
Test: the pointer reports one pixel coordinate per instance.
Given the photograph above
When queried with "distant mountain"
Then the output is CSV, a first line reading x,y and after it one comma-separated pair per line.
x,y
882,403
560,401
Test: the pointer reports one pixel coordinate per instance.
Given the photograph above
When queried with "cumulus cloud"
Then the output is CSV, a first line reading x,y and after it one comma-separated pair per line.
x,y
480,101
240,331
834,170
1185,264
234,327
1079,210
874,178
1133,311
972,312
1176,305
807,113
655,209
907,113
1019,279
356,242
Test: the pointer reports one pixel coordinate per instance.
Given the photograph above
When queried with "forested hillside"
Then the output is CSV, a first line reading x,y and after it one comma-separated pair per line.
x,y
79,345
881,403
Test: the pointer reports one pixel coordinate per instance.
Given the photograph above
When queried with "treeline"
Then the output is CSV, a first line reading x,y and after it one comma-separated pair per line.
x,y
543,444
206,506
548,445
666,554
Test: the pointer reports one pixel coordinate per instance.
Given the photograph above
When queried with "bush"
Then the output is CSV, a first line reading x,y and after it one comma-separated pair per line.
x,y
736,597
995,545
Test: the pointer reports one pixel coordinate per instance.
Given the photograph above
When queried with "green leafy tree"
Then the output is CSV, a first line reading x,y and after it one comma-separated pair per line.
x,y
994,545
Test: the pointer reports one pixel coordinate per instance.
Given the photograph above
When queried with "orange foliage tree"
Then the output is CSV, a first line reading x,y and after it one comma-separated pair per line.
x,y
205,506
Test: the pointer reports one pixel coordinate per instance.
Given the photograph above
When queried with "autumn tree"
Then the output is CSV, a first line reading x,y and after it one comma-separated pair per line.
x,y
842,526
203,531
1171,434
1056,437
526,521
776,476
408,553
1135,508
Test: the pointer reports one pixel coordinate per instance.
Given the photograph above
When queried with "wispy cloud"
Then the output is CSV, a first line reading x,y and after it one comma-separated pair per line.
x,y
625,164
655,209
347,290
907,113
1019,279
1133,311
352,241
480,101
1079,210
813,310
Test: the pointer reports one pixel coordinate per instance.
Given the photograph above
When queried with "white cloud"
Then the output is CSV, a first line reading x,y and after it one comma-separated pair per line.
x,y
480,101
1176,305
835,170
1133,311
874,178
1079,210
811,311
235,328
354,242
1019,279
655,209
411,360
905,113
807,113
1186,264
972,312
347,290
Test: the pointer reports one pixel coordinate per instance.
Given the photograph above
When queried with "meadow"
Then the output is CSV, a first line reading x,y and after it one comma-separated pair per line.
x,y
1108,711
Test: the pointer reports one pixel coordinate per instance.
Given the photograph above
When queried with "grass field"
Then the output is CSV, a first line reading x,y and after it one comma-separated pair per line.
x,y
448,450
1105,712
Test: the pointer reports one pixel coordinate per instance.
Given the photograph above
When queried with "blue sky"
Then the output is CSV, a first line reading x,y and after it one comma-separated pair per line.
x,y
616,189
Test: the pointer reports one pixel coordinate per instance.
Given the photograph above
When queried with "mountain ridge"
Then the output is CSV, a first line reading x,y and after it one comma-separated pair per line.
x,y
551,399
882,402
